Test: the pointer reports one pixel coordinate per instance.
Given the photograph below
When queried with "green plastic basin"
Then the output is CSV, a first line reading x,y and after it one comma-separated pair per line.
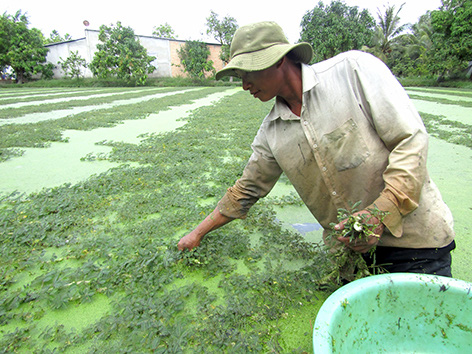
x,y
396,313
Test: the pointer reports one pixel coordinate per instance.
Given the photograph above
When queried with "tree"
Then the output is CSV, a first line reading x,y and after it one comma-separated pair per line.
x,y
55,37
21,48
121,55
419,47
72,66
452,36
223,32
336,28
194,58
388,30
164,31
421,37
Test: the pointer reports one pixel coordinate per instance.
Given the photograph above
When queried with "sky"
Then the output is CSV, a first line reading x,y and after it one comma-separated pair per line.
x,y
186,17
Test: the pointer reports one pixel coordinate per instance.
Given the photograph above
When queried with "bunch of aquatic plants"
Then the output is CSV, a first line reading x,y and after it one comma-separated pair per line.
x,y
348,264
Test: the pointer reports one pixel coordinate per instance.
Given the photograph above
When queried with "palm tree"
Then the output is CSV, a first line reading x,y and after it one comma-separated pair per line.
x,y
390,28
421,42
387,31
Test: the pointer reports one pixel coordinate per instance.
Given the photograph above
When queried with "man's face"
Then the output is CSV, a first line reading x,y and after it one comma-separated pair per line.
x,y
263,84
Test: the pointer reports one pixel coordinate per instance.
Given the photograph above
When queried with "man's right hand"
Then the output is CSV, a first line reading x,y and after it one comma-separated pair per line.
x,y
189,241
211,222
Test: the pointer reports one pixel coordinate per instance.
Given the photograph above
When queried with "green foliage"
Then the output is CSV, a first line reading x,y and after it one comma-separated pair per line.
x,y
350,265
115,234
194,58
438,45
72,65
164,31
121,55
388,30
47,72
20,47
336,28
411,53
55,37
452,37
223,32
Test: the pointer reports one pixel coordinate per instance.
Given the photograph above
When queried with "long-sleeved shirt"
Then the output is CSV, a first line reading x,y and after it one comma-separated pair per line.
x,y
358,138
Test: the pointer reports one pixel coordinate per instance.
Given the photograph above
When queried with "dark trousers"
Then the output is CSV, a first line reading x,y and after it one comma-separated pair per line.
x,y
435,261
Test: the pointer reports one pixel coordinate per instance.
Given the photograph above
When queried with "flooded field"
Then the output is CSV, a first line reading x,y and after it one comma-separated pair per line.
x,y
101,183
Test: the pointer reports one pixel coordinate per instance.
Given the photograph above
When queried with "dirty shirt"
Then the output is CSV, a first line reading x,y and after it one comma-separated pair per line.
x,y
358,138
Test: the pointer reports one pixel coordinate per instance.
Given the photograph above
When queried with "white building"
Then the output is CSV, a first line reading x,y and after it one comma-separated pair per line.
x,y
167,62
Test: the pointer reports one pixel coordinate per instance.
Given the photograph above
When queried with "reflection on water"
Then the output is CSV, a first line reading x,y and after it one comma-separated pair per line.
x,y
304,228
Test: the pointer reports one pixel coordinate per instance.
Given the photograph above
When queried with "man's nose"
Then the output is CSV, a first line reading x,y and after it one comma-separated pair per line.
x,y
246,85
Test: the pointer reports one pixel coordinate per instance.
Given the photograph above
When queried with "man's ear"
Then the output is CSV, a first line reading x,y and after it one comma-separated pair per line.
x,y
280,62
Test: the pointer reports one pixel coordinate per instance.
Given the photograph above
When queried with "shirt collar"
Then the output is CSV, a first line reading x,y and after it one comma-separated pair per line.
x,y
280,109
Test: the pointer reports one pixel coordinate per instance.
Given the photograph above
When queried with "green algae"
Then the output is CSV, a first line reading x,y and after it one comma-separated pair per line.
x,y
120,229
80,154
250,286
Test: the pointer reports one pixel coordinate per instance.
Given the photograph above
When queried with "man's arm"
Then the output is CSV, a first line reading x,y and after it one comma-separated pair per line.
x,y
258,178
211,222
401,128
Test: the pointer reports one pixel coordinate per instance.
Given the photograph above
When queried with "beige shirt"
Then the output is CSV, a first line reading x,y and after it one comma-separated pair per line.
x,y
359,138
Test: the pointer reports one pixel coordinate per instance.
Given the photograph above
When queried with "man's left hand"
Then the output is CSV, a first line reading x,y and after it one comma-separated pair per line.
x,y
363,246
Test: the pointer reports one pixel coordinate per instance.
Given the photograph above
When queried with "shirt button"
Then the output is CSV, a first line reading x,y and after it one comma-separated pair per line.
x,y
334,193
315,146
324,169
305,122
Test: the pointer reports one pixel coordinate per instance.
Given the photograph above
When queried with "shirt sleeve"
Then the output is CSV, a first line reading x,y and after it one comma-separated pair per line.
x,y
258,178
402,130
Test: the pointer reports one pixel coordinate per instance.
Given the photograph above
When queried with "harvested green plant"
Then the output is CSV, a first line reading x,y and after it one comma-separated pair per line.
x,y
350,265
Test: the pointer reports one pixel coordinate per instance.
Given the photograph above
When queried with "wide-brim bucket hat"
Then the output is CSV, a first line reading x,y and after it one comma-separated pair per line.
x,y
260,45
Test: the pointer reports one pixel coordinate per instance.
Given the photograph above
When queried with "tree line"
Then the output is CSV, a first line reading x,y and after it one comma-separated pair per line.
x,y
438,45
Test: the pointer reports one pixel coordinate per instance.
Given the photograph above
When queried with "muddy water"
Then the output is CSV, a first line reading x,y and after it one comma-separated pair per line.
x,y
60,163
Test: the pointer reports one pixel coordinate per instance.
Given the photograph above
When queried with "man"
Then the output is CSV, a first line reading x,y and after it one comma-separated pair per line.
x,y
343,130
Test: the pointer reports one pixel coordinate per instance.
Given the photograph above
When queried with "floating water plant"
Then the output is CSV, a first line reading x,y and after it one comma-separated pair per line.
x,y
113,238
348,264
107,245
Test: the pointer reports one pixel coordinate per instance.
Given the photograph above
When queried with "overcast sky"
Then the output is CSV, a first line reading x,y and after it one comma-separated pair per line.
x,y
186,17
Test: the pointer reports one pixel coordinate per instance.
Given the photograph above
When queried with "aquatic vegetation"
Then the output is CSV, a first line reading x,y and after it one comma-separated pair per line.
x,y
451,131
115,234
88,100
41,133
109,244
461,103
350,265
